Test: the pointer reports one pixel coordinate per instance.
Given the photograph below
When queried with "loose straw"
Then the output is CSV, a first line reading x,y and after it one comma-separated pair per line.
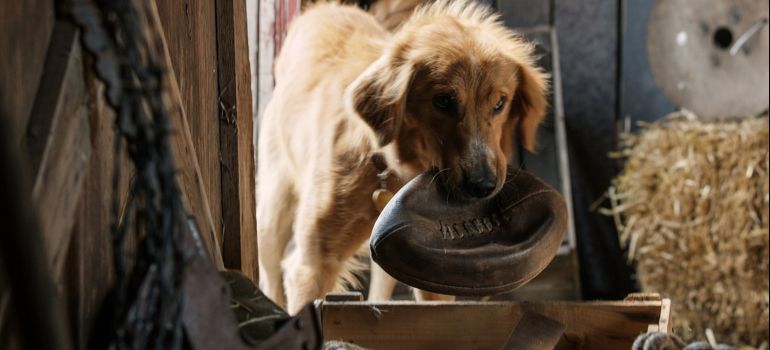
x,y
691,207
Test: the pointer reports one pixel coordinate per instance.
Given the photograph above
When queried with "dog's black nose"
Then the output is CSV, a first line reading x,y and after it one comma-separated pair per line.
x,y
480,186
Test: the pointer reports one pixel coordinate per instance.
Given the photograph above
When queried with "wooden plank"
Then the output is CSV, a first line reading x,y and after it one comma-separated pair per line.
x,y
91,271
344,296
236,139
25,31
461,325
190,29
189,171
535,332
58,143
664,322
525,13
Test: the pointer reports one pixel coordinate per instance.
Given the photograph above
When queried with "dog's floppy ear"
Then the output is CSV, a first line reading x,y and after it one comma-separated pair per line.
x,y
379,96
529,103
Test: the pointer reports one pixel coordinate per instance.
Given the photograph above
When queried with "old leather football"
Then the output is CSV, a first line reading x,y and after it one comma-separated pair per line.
x,y
427,240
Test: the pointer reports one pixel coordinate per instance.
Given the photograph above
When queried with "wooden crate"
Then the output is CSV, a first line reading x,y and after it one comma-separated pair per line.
x,y
487,325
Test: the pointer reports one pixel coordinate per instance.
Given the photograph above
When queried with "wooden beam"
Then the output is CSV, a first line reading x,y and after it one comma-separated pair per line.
x,y
58,143
189,171
236,139
25,32
458,325
190,31
90,272
535,332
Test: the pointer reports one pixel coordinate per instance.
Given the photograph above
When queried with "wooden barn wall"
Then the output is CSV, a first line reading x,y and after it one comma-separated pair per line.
x,y
190,29
26,29
236,116
65,129
89,266
207,42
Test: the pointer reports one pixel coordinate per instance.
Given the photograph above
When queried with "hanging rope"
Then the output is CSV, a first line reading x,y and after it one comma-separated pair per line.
x,y
147,299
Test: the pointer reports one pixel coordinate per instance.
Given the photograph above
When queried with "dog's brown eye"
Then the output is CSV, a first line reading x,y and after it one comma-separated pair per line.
x,y
444,102
500,104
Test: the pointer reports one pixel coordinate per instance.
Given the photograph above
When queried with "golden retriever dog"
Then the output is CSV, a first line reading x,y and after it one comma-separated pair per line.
x,y
450,91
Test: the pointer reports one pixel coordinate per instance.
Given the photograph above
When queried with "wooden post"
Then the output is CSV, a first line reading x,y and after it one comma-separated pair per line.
x,y
239,223
183,148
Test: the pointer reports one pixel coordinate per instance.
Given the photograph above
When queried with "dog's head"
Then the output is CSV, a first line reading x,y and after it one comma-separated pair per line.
x,y
453,92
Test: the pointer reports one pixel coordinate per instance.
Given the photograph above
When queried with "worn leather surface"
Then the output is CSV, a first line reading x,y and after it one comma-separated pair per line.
x,y
426,239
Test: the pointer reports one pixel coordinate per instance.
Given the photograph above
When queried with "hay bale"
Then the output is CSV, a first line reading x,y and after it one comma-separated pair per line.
x,y
691,206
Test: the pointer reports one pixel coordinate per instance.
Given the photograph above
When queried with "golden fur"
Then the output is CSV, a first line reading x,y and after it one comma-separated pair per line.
x,y
347,87
392,13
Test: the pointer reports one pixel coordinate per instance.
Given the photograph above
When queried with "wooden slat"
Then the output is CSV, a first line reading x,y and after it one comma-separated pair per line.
x,y
25,31
465,325
344,296
190,30
189,171
236,139
535,332
664,322
90,272
58,143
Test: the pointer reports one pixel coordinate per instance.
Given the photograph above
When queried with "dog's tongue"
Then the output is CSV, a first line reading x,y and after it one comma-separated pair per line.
x,y
485,247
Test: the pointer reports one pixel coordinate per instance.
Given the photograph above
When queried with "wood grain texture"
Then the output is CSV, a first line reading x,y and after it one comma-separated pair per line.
x,y
465,325
184,149
239,242
58,144
90,270
25,30
190,30
535,332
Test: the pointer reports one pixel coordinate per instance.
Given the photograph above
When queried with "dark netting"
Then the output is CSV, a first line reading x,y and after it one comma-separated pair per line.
x,y
145,312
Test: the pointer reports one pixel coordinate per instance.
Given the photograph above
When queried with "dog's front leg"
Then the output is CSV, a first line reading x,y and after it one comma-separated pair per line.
x,y
311,269
381,284
307,277
422,295
274,219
